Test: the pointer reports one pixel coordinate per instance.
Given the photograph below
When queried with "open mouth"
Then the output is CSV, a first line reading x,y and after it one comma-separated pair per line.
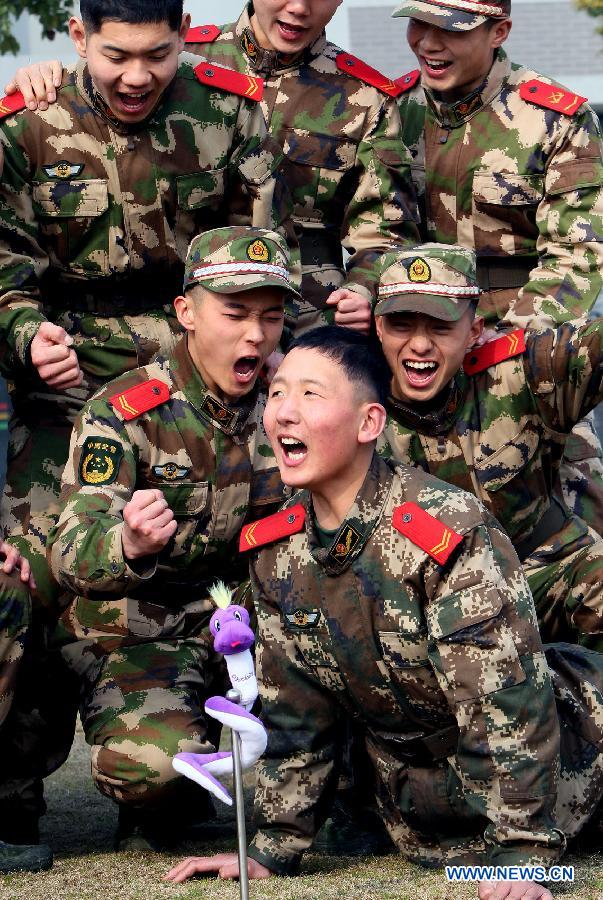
x,y
246,368
294,450
290,32
419,373
132,102
435,67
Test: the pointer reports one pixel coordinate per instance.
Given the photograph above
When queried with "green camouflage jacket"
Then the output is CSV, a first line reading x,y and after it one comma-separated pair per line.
x,y
375,627
348,173
520,183
501,428
96,216
213,464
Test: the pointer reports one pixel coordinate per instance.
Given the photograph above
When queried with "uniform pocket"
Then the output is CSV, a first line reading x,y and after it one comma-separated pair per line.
x,y
201,189
191,505
315,166
504,212
498,468
70,215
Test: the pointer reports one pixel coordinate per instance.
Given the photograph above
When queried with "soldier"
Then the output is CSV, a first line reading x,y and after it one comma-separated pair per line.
x,y
494,421
384,594
100,196
165,463
508,163
337,121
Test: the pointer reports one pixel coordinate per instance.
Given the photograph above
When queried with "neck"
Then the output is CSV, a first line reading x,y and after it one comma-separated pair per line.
x,y
332,501
456,94
264,41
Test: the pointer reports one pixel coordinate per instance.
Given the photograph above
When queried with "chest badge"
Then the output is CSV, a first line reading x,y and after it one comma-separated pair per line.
x,y
63,170
99,462
345,543
302,618
171,471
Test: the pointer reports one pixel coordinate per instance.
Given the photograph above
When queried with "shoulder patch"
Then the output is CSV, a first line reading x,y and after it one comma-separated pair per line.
x,y
363,72
408,81
229,80
504,347
99,461
551,97
425,531
11,103
140,398
202,34
279,525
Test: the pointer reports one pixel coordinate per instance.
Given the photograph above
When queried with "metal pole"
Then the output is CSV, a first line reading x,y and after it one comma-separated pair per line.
x,y
235,697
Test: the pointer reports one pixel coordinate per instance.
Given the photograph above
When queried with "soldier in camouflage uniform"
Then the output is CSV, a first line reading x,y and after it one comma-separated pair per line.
x,y
337,122
165,464
510,164
386,595
494,422
100,196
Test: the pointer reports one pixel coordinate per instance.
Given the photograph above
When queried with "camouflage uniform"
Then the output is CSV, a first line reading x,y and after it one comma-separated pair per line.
x,y
136,636
348,173
499,431
515,172
417,621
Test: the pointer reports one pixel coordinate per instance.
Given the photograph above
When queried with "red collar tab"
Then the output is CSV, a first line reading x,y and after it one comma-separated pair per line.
x,y
229,80
11,103
279,525
408,81
551,96
504,347
202,34
140,398
363,72
426,531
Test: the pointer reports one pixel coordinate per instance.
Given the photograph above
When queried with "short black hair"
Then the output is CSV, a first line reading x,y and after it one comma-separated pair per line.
x,y
134,12
359,356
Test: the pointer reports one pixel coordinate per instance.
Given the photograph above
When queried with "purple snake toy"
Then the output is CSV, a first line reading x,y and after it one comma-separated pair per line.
x,y
233,637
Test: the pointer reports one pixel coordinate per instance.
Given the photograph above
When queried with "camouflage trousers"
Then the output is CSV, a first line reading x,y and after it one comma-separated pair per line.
x,y
431,821
145,670
581,474
15,618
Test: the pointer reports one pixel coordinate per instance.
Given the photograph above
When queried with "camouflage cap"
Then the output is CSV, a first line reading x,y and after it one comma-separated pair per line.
x,y
454,15
238,258
436,279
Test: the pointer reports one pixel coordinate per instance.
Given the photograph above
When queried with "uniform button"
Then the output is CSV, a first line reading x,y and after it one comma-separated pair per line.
x,y
156,390
114,568
291,519
349,62
532,90
443,138
209,73
205,31
407,517
473,360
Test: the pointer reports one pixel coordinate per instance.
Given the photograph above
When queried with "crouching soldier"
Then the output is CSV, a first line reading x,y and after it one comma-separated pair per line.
x,y
165,465
386,595
494,421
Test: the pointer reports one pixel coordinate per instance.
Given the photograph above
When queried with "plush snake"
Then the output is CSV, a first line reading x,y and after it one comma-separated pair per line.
x,y
233,637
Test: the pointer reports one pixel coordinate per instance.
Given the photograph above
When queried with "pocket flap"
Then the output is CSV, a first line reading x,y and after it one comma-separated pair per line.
x,y
404,651
323,151
67,199
507,188
185,498
463,609
200,189
497,469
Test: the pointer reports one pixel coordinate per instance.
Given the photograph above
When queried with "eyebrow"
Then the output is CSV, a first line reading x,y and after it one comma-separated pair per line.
x,y
232,304
315,381
165,46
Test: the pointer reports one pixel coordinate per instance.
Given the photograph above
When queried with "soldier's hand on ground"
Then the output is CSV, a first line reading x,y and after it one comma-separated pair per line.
x,y
513,890
353,310
224,865
54,358
13,560
37,83
148,524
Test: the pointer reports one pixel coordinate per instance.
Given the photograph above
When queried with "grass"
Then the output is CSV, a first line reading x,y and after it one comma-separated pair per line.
x,y
80,824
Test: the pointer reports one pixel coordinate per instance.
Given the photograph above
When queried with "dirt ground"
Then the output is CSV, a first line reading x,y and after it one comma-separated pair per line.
x,y
80,824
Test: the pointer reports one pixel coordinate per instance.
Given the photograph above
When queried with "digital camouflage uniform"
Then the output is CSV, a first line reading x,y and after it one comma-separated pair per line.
x,y
417,621
515,172
95,219
136,636
349,176
499,429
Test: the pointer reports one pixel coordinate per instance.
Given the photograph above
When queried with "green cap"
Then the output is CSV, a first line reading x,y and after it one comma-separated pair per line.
x,y
238,258
438,280
454,15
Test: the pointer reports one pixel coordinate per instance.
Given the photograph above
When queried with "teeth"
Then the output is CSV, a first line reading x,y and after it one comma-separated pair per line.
x,y
289,442
420,365
296,456
436,63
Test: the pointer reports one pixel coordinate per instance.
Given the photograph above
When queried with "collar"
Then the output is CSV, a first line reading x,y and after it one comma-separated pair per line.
x,y
451,115
360,522
437,421
270,62
229,419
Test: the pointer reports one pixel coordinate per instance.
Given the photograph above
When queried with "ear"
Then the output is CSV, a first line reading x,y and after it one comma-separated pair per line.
x,y
379,327
184,312
372,423
77,33
500,33
183,30
475,332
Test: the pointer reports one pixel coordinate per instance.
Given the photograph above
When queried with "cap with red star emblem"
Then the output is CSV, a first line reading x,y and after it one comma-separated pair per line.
x,y
202,34
551,96
140,398
279,525
504,347
363,72
408,81
426,531
11,103
229,80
